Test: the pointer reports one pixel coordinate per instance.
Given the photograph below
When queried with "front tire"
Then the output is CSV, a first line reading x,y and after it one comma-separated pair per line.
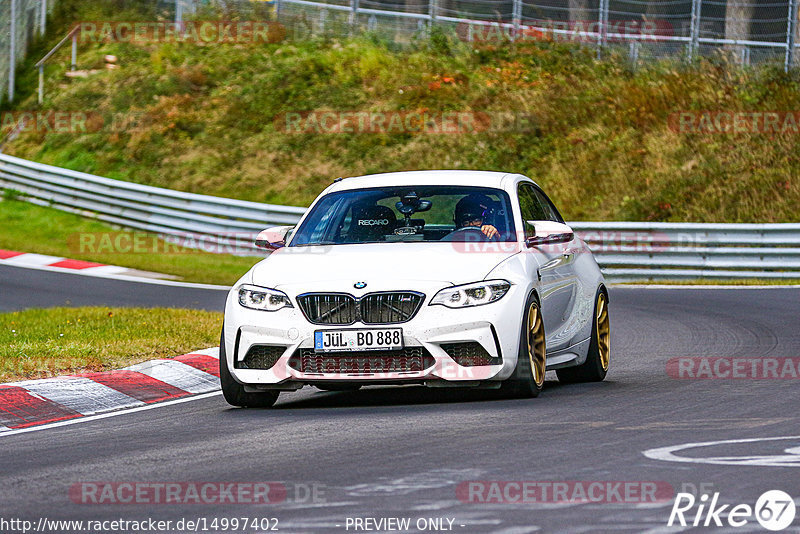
x,y
528,378
234,392
598,359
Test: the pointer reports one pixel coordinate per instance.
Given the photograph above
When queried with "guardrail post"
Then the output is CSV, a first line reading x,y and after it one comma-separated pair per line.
x,y
791,34
433,7
694,29
516,18
12,50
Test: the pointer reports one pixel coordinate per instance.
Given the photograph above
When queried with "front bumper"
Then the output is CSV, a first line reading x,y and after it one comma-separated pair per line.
x,y
496,327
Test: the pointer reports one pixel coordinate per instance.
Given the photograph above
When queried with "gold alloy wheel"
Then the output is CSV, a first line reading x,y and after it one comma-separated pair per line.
x,y
536,344
603,329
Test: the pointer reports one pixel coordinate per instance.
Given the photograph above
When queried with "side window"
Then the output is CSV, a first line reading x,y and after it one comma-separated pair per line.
x,y
551,213
531,207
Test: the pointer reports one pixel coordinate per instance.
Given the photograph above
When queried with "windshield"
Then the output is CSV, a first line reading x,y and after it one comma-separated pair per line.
x,y
408,214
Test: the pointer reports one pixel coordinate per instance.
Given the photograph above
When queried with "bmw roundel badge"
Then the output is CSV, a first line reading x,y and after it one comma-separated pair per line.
x,y
360,285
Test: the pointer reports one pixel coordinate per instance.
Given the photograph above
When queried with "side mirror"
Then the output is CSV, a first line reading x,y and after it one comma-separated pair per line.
x,y
273,238
548,233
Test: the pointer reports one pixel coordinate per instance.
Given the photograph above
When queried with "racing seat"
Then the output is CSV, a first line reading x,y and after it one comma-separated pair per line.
x,y
371,223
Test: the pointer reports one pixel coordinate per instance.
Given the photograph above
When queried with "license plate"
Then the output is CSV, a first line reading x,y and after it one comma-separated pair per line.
x,y
354,340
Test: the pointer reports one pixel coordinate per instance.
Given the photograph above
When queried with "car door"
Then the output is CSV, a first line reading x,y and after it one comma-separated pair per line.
x,y
556,265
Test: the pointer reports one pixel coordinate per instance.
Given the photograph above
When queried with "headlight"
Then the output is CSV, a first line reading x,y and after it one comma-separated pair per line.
x,y
471,294
262,298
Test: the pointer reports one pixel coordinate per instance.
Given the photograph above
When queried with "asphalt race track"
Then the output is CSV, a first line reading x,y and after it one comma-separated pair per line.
x,y
402,452
22,288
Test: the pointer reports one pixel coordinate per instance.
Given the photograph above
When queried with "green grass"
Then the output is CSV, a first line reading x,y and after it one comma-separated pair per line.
x,y
30,228
601,144
45,342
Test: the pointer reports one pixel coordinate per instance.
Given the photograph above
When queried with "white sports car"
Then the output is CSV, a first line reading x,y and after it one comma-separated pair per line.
x,y
441,278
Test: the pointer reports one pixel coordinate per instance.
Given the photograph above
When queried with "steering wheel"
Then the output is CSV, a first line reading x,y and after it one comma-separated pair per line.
x,y
478,229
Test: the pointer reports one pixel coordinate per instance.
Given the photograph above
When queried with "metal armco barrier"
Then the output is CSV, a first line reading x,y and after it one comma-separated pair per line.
x,y
627,251
213,223
631,251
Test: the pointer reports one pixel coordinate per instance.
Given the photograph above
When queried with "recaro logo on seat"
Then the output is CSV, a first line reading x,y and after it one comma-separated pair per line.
x,y
373,222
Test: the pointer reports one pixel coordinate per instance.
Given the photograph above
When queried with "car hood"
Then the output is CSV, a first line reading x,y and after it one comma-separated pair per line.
x,y
380,265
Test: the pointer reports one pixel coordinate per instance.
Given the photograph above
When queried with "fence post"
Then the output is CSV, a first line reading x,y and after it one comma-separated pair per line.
x,y
178,11
74,63
604,23
433,7
602,20
791,34
516,18
41,83
633,52
694,29
12,50
43,22
353,13
277,10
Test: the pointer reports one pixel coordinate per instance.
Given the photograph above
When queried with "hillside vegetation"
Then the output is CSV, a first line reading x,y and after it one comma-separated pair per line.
x,y
596,134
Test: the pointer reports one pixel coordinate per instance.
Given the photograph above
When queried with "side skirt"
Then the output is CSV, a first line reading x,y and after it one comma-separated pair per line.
x,y
568,357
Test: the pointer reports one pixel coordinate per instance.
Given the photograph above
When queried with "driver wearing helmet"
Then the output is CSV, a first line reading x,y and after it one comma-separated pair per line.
x,y
472,215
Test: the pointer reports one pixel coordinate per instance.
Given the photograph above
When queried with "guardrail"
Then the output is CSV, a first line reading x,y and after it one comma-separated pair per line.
x,y
627,251
208,222
631,251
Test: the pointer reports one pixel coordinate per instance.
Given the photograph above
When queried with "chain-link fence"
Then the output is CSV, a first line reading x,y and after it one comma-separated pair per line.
x,y
30,18
747,31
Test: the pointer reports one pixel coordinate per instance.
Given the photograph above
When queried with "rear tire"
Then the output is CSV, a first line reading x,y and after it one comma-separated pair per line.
x,y
527,380
598,359
234,392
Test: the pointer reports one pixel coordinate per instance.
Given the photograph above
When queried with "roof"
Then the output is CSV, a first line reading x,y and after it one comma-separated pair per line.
x,y
465,178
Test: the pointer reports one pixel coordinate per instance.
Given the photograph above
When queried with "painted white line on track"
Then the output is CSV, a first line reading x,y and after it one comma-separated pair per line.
x,y
125,278
177,374
790,459
90,418
80,394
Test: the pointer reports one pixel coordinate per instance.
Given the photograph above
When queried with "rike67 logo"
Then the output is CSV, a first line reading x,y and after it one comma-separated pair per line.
x,y
774,510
